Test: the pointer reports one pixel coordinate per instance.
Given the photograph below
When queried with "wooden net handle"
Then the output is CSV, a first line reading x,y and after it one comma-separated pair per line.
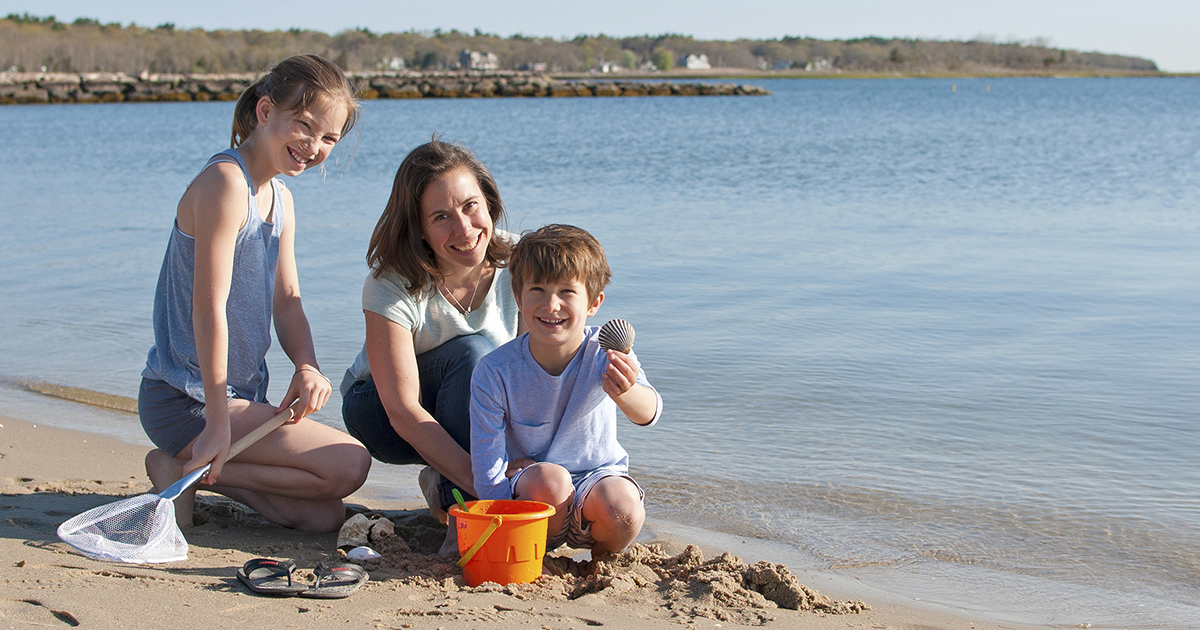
x,y
257,434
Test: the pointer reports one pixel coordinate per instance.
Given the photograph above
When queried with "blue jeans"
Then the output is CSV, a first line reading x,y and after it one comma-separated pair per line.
x,y
445,377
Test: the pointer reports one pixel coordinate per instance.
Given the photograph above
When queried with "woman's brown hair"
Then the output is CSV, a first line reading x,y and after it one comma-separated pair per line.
x,y
398,242
292,85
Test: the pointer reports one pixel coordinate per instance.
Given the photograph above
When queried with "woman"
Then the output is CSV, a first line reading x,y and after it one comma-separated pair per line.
x,y
437,299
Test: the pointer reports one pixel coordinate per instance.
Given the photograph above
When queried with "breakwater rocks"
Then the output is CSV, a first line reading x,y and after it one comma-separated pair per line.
x,y
18,88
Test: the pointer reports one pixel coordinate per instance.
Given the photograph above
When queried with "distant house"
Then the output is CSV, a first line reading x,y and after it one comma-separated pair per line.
x,y
395,63
475,60
696,62
537,66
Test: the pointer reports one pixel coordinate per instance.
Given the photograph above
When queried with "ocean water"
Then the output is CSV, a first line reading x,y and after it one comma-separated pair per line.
x,y
939,335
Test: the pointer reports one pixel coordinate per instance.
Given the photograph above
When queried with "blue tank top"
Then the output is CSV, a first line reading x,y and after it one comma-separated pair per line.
x,y
173,359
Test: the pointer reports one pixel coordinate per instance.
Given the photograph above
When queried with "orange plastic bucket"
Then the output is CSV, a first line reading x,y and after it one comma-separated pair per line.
x,y
501,541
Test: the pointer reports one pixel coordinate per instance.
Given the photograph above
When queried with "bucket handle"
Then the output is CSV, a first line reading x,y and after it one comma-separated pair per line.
x,y
487,533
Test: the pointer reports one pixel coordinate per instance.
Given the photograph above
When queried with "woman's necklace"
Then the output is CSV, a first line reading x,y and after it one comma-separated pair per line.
x,y
464,310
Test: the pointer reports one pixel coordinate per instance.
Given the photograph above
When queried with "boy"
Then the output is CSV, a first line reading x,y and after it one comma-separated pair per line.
x,y
543,406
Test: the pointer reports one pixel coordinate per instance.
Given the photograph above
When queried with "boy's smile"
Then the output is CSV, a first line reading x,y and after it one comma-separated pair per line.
x,y
555,313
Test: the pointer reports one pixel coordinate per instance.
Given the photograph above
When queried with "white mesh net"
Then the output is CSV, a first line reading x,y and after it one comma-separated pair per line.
x,y
137,530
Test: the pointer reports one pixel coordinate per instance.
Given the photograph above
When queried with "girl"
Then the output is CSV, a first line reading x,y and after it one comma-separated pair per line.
x,y
229,269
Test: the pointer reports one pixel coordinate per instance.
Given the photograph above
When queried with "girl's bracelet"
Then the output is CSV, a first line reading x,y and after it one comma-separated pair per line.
x,y
313,369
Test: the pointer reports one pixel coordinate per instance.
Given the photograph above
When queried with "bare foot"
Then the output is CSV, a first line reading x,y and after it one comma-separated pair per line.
x,y
429,479
450,545
165,470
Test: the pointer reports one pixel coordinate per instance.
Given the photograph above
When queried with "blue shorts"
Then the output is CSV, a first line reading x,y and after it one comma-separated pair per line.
x,y
576,533
170,417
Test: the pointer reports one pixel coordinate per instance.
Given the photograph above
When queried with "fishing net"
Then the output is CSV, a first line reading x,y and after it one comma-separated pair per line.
x,y
142,529
137,530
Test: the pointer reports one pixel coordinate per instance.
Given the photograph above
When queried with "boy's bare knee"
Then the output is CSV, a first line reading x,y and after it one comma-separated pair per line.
x,y
625,516
617,508
548,483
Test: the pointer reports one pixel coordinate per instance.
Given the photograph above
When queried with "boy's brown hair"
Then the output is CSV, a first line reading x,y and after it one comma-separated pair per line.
x,y
559,252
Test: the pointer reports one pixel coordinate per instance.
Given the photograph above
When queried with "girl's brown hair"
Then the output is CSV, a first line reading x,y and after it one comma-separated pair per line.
x,y
398,242
294,84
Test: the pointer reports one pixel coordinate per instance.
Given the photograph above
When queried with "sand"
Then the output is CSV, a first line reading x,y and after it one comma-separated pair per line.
x,y
48,475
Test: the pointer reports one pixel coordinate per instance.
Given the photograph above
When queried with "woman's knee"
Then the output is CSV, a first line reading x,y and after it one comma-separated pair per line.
x,y
466,351
475,347
367,421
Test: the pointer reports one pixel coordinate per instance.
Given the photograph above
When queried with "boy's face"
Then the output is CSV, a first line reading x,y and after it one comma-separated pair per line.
x,y
556,311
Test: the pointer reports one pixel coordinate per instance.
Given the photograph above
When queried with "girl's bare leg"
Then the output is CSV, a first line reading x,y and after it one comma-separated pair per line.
x,y
165,470
296,476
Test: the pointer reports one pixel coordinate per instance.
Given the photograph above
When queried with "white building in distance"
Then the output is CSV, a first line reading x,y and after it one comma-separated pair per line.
x,y
475,60
696,62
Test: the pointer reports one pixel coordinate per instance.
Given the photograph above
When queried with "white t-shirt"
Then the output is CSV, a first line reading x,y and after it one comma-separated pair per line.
x,y
432,319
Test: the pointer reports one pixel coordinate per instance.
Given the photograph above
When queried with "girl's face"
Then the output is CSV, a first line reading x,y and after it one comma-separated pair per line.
x,y
455,220
301,139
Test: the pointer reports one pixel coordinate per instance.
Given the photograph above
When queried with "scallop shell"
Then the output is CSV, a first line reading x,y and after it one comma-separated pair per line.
x,y
616,334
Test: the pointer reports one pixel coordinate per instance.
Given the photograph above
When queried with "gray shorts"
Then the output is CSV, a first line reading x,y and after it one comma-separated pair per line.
x,y
576,533
170,418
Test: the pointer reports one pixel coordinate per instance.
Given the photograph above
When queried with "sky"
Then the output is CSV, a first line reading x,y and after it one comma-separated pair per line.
x,y
1161,30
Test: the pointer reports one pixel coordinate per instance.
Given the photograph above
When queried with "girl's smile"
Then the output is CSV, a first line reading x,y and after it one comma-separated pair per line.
x,y
307,135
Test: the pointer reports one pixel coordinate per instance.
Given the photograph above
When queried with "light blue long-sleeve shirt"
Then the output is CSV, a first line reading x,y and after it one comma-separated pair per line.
x,y
519,410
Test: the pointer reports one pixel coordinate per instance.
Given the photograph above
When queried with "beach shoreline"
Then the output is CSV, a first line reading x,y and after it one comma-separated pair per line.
x,y
48,474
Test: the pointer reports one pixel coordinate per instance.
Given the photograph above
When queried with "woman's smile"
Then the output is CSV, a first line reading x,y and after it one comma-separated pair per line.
x,y
456,222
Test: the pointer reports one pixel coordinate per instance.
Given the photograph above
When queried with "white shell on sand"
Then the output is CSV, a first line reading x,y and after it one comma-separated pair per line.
x,y
616,334
363,554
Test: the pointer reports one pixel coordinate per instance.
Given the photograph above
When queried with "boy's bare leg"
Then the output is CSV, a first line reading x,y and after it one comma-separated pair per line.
x,y
548,483
614,508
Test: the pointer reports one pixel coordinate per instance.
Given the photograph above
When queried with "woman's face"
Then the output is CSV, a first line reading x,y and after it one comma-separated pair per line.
x,y
456,221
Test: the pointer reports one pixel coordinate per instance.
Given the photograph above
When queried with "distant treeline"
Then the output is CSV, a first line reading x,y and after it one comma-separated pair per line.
x,y
31,44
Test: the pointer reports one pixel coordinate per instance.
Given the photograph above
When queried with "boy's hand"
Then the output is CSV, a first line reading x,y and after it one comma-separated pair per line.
x,y
621,374
517,465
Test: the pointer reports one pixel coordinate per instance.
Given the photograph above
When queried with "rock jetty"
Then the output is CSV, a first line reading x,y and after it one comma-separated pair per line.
x,y
19,88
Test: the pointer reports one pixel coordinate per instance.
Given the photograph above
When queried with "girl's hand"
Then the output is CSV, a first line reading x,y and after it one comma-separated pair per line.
x,y
311,388
212,445
620,375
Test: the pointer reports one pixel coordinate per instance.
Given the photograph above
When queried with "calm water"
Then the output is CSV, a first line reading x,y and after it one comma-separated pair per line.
x,y
940,335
